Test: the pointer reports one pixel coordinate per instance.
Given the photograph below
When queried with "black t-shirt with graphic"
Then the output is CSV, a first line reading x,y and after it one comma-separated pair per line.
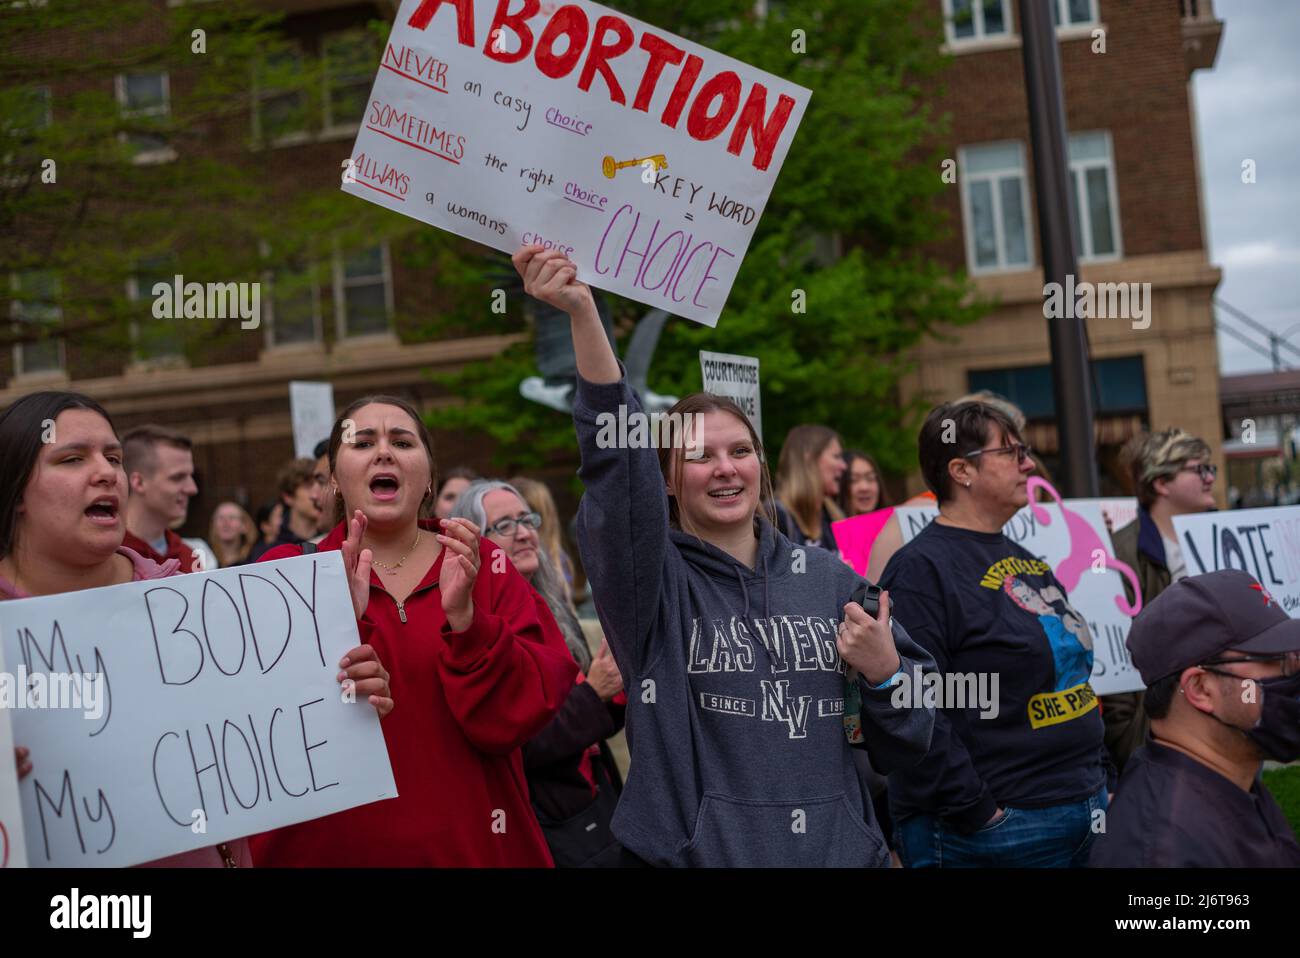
x,y
989,610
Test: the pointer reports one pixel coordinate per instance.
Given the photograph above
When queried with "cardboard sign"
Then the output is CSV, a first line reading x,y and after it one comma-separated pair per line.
x,y
1263,542
311,407
645,158
13,850
735,377
172,714
1093,587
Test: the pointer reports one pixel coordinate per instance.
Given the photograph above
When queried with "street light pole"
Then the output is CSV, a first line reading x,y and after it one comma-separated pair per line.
x,y
1067,336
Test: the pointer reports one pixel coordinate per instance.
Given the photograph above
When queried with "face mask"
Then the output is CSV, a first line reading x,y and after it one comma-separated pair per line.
x,y
1278,731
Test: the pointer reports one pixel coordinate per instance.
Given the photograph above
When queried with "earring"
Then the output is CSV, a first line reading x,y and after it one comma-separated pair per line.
x,y
967,485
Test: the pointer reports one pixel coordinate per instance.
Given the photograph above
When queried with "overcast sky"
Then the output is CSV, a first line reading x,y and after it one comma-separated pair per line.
x,y
1248,107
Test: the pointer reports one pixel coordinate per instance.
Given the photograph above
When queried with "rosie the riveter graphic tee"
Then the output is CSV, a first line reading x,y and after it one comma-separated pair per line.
x,y
979,603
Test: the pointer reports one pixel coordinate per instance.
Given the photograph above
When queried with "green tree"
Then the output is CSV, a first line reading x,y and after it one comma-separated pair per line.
x,y
861,175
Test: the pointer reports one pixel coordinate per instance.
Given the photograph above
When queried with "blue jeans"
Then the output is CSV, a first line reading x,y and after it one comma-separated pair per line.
x,y
1059,836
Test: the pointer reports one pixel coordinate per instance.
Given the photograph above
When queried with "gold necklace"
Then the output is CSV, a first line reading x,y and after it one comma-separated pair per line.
x,y
392,569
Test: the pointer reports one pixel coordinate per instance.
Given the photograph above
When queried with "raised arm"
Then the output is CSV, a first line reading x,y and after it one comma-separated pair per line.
x,y
623,518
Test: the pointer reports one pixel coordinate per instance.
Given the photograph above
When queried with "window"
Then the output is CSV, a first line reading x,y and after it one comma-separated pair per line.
x,y
1092,196
281,112
995,204
1072,13
975,19
24,110
349,70
154,338
295,303
35,305
362,292
145,97
1119,387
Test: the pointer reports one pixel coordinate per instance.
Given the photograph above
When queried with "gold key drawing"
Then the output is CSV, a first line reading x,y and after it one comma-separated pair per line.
x,y
610,166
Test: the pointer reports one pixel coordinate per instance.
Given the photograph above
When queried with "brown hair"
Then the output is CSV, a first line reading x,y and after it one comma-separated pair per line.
x,y
952,431
140,447
293,474
247,538
421,430
846,481
798,480
1160,456
673,454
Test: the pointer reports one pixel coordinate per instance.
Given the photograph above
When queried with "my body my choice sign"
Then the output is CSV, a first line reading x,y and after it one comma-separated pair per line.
x,y
645,158
216,712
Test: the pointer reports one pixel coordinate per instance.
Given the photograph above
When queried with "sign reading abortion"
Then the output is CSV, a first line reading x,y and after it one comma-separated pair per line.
x,y
215,711
1263,542
1071,537
645,158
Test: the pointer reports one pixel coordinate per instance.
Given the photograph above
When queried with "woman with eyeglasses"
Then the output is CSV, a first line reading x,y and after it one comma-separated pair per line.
x,y
572,778
1017,770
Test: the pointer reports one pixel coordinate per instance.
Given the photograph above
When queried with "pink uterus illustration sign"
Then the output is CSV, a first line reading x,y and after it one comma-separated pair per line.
x,y
1086,548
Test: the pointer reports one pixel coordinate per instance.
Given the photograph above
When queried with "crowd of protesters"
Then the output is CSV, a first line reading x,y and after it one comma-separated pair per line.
x,y
755,678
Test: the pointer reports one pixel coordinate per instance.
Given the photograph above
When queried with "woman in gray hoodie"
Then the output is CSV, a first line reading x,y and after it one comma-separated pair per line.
x,y
747,667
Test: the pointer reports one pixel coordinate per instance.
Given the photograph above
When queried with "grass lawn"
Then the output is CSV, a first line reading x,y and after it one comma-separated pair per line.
x,y
1284,783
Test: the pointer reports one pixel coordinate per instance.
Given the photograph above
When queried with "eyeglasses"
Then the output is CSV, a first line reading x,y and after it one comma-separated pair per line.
x,y
1290,663
1207,471
1020,450
506,526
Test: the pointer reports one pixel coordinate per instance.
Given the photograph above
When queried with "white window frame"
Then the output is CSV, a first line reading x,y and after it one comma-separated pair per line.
x,y
268,310
165,154
968,220
340,301
330,127
16,314
148,362
1063,10
977,19
1078,168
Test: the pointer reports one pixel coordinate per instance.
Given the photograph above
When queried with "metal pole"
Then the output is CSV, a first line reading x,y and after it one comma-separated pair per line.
x,y
1071,377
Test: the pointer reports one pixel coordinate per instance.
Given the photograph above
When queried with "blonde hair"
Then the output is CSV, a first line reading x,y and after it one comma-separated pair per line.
x,y
538,498
1160,456
247,538
799,482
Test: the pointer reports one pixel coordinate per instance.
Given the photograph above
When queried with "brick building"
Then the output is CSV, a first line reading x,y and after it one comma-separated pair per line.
x,y
1134,168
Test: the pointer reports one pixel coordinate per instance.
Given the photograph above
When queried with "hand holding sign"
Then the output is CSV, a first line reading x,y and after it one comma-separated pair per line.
x,y
551,277
361,667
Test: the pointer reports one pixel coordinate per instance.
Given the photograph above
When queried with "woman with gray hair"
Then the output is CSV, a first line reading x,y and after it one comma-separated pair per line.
x,y
572,777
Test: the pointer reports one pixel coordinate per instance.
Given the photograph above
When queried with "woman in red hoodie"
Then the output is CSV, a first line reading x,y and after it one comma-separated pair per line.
x,y
476,659
62,491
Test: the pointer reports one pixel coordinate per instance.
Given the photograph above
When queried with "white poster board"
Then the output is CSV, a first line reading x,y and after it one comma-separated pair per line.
x,y
735,377
1094,593
646,158
214,711
1263,542
13,850
311,407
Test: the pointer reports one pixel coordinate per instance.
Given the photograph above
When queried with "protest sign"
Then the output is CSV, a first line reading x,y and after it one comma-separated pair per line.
x,y
12,848
171,714
735,377
1117,512
1071,537
645,158
311,407
1263,542
856,535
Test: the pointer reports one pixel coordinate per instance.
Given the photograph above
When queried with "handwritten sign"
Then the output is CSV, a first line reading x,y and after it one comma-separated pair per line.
x,y
13,853
645,158
1263,542
208,710
1094,589
311,407
735,377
